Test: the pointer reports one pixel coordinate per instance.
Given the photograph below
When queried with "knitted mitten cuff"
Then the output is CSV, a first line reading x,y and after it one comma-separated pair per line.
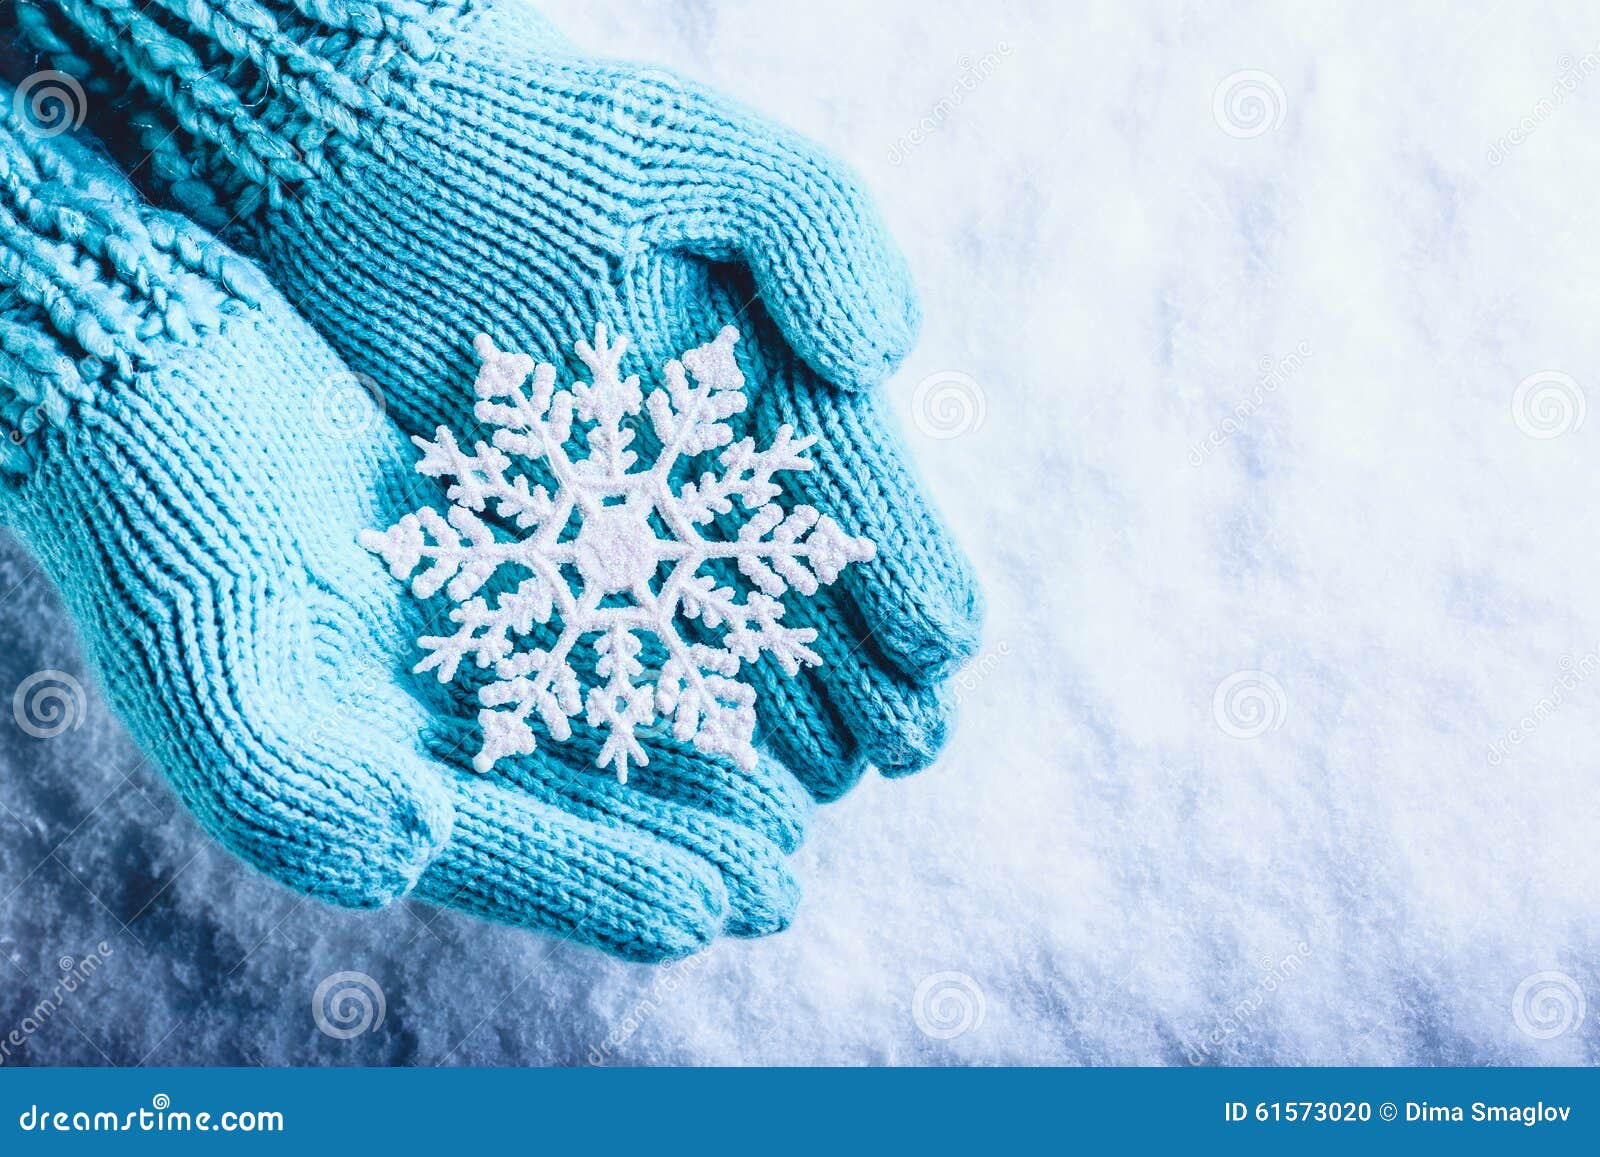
x,y
99,289
154,388
259,100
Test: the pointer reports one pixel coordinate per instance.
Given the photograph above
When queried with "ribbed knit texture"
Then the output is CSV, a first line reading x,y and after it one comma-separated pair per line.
x,y
170,456
411,174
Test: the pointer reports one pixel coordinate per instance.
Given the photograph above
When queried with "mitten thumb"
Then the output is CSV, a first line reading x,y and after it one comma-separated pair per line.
x,y
825,266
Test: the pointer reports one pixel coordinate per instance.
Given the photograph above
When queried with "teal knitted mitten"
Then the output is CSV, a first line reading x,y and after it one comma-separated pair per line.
x,y
176,454
413,172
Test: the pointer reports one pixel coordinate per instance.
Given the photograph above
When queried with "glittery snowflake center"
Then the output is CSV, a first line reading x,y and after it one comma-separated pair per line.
x,y
578,607
617,550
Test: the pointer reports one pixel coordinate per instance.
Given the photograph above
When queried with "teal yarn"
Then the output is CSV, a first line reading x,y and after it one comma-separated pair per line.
x,y
413,173
170,458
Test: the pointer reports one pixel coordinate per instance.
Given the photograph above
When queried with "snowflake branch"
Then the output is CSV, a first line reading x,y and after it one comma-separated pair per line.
x,y
606,400
688,419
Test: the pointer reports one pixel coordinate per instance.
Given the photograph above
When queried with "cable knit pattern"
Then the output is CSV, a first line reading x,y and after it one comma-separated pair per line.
x,y
177,473
146,281
418,173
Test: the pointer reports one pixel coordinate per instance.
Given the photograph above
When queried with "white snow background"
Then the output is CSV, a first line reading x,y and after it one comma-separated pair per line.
x,y
1365,245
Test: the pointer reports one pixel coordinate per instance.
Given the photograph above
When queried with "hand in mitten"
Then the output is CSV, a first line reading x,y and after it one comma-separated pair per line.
x,y
413,172
171,456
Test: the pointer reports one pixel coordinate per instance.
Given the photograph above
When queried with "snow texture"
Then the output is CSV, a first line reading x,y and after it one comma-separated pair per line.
x,y
592,556
1281,747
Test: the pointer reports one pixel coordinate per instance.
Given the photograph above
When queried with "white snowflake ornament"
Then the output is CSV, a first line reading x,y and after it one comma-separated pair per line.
x,y
615,554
